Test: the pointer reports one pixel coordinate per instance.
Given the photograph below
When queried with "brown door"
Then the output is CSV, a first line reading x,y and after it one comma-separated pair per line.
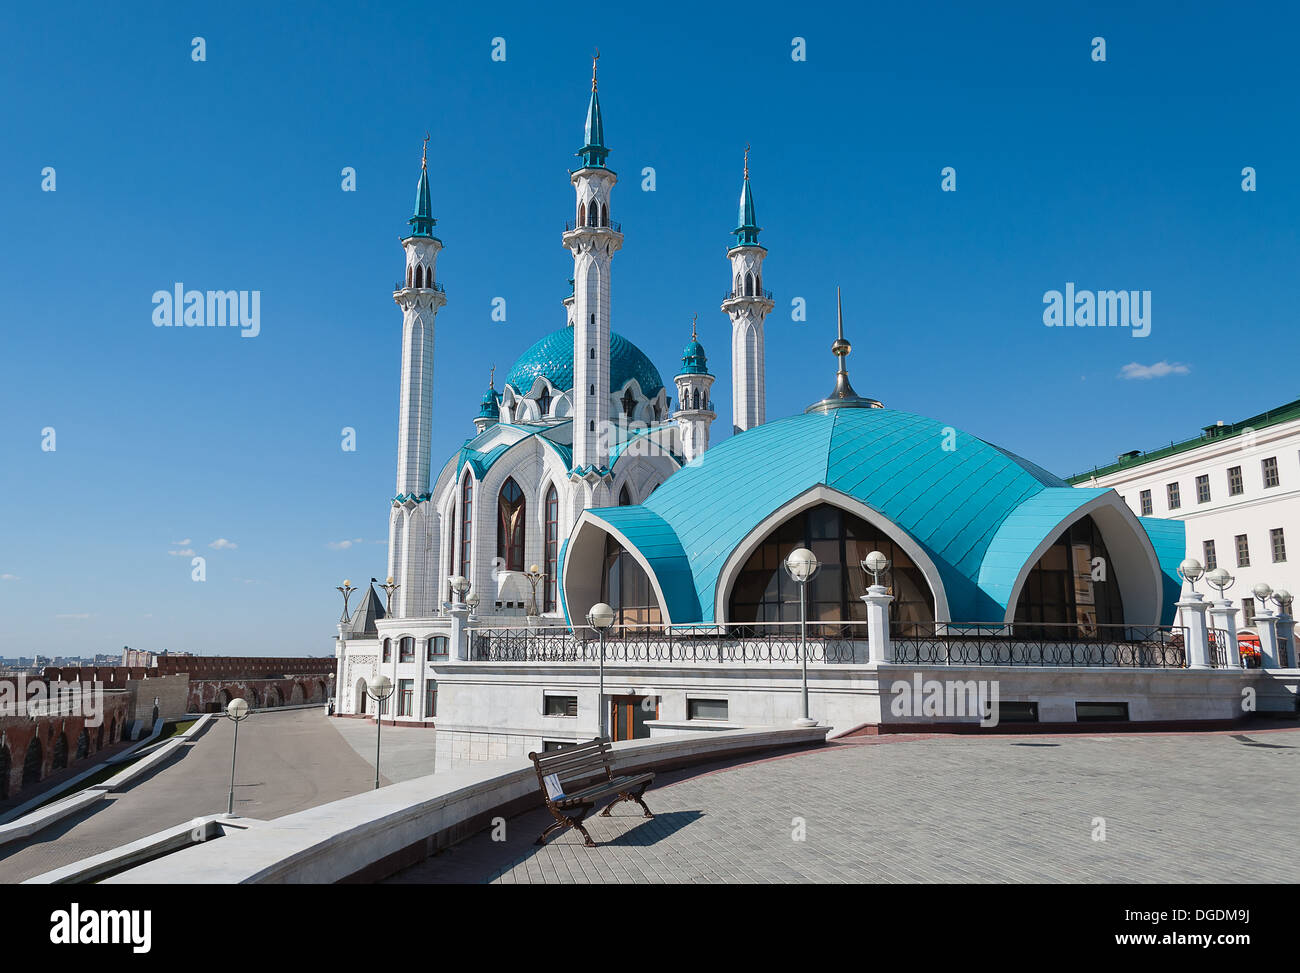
x,y
628,715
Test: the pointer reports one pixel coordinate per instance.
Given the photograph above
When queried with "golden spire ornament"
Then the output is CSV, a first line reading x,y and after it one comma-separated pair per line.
x,y
424,152
746,160
593,69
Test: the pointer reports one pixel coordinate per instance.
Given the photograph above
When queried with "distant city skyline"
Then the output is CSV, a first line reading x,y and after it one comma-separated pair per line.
x,y
229,174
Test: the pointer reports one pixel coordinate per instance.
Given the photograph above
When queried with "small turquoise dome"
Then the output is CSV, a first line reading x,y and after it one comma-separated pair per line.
x,y
489,406
693,360
551,358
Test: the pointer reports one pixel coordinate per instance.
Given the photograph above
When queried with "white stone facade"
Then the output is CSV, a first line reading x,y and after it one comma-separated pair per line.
x,y
747,306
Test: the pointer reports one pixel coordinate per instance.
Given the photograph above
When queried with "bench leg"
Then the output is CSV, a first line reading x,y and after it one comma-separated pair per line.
x,y
628,796
564,821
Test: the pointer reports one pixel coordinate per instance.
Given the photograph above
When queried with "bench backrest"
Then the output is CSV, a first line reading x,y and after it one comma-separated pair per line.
x,y
574,765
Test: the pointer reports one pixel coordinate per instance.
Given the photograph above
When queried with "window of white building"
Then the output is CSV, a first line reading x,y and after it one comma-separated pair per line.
x,y
1243,551
1271,478
1278,542
1175,501
1211,558
1235,484
1144,498
1203,488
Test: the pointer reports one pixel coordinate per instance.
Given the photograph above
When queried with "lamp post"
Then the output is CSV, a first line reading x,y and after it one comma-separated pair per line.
x,y
802,565
534,576
237,710
379,690
460,585
1282,598
389,588
472,601
1191,571
345,589
601,617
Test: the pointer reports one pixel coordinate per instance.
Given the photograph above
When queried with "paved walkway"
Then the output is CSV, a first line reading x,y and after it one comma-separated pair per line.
x,y
1212,807
407,751
288,761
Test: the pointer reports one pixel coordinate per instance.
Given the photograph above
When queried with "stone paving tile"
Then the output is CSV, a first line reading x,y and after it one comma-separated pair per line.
x,y
1210,807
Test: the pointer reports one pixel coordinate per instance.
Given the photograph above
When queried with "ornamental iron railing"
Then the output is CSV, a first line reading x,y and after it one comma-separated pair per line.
x,y
733,294
933,643
571,225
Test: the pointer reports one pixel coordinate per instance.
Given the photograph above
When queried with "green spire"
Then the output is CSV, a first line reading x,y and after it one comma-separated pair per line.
x,y
594,152
422,222
747,232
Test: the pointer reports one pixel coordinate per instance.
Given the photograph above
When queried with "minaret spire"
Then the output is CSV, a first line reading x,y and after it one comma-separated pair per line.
x,y
747,304
594,152
422,222
843,397
695,413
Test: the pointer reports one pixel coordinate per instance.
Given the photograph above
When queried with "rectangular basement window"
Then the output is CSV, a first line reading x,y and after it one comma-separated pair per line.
x,y
1017,711
706,709
1100,712
550,746
559,705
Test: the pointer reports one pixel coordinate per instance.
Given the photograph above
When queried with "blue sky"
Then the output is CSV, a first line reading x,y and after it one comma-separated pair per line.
x,y
226,175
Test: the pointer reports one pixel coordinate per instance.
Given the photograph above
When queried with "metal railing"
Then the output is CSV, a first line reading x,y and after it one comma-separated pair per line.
x,y
570,225
1041,644
916,643
733,294
435,286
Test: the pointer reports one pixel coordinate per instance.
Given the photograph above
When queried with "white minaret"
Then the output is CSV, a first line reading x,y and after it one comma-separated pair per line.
x,y
695,412
413,530
594,240
747,305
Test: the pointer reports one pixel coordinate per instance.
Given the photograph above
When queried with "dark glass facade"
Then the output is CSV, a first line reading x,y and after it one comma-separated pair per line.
x,y
626,588
1068,594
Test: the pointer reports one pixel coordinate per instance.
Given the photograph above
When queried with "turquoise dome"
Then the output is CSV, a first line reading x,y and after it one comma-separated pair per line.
x,y
551,358
975,509
489,404
693,360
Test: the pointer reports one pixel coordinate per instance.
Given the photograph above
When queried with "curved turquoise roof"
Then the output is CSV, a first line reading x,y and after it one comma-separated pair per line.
x,y
552,358
693,360
976,510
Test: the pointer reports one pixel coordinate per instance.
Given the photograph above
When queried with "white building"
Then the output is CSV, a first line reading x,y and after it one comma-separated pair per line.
x,y
1236,488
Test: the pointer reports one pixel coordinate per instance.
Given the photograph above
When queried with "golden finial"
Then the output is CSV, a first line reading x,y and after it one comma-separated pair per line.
x,y
841,347
693,334
424,152
492,378
593,69
746,160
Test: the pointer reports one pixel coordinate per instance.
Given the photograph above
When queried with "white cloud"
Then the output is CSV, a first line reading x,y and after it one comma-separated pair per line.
x,y
185,543
77,615
221,544
9,577
1157,370
343,545
184,552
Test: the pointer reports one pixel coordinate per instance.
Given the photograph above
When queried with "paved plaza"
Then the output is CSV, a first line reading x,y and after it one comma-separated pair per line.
x,y
1209,807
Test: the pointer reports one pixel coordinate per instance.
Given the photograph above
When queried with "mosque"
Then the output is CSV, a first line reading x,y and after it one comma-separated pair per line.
x,y
590,481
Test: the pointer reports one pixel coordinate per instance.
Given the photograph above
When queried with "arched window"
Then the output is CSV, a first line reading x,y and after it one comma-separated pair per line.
x,y
591,352
544,402
510,526
408,277
736,291
419,276
552,551
60,753
406,649
1060,599
466,524
696,399
388,650
436,648
764,592
5,766
758,284
749,285
32,762
629,403
591,214
624,497
582,213
604,214
625,587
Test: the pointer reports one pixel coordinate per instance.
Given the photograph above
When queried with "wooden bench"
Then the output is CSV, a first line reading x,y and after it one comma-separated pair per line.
x,y
575,778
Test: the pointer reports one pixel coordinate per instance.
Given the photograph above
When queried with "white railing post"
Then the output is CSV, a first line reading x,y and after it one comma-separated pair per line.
x,y
877,600
459,647
1192,612
1224,617
1288,654
1266,626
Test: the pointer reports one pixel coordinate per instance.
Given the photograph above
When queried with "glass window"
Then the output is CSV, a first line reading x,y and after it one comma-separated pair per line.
x,y
406,649
624,497
706,709
560,705
1243,551
1211,558
1066,595
544,402
1175,501
405,694
466,526
1248,610
430,698
388,650
626,588
1203,488
551,554
1144,498
1278,543
1270,472
436,648
1235,484
764,592
510,526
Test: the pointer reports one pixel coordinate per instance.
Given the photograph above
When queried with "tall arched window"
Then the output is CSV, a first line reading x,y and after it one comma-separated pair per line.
x,y
629,403
604,214
624,497
552,553
582,213
544,402
764,592
466,523
408,277
388,650
1060,599
510,526
736,292
591,214
419,276
749,285
696,399
625,587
